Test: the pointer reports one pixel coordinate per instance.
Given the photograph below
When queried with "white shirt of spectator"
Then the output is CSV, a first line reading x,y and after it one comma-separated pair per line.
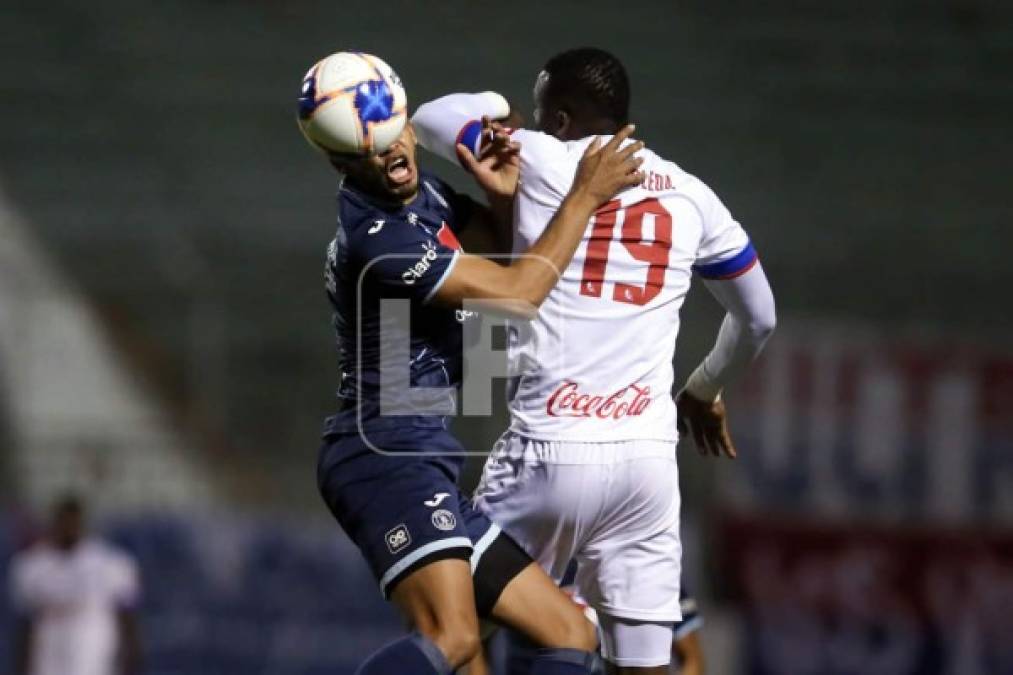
x,y
73,598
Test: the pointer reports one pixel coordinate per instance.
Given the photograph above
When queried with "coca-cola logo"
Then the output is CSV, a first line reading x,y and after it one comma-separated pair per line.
x,y
568,401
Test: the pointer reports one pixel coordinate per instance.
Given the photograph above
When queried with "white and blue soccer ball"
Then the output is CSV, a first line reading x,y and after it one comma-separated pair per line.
x,y
352,103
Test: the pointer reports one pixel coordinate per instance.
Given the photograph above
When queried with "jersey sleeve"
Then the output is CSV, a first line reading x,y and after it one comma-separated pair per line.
x,y
402,260
725,251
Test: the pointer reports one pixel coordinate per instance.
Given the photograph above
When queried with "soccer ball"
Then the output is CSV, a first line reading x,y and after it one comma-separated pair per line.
x,y
352,103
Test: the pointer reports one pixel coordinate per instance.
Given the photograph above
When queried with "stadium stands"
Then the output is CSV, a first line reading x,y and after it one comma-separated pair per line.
x,y
166,173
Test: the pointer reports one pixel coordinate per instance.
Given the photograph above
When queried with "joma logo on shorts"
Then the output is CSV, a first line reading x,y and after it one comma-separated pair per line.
x,y
568,401
397,539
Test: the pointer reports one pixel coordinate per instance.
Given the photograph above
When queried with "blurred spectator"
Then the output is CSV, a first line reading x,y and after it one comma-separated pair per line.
x,y
75,597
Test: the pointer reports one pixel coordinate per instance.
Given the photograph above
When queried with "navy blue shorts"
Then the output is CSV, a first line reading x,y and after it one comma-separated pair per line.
x,y
405,511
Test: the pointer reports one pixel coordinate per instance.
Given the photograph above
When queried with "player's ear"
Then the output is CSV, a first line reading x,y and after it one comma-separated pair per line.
x,y
563,123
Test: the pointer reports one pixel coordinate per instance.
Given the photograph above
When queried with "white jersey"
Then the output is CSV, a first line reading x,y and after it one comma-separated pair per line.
x,y
73,599
596,364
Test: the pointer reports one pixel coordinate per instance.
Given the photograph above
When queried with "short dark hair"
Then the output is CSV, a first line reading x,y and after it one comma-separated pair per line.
x,y
591,81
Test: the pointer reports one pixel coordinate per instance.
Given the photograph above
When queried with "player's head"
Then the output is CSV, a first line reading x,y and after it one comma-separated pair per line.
x,y
392,175
581,92
67,526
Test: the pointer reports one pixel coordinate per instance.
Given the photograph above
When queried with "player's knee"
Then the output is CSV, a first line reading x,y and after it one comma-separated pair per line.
x,y
578,633
459,645
456,636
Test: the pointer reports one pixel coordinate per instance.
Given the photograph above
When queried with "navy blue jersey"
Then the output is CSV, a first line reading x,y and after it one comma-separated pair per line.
x,y
395,252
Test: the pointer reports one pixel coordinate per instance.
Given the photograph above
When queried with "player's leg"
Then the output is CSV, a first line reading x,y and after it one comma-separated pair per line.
x,y
629,571
403,515
534,605
439,601
635,647
514,591
558,621
542,515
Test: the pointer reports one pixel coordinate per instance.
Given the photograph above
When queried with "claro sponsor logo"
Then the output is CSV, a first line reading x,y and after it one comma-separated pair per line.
x,y
415,272
568,401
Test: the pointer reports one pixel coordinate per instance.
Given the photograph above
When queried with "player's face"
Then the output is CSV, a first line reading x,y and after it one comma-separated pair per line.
x,y
549,117
391,175
68,527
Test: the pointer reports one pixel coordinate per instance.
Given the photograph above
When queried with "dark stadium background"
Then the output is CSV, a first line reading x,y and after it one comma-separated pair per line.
x,y
161,217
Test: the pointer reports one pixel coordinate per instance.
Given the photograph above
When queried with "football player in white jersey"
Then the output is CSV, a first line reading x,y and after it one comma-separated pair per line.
x,y
587,468
75,598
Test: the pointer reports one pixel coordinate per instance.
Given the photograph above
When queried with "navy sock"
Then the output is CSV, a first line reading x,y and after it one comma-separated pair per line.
x,y
564,662
413,654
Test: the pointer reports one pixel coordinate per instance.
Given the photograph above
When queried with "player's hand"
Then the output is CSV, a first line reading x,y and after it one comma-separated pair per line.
x,y
498,164
708,422
604,171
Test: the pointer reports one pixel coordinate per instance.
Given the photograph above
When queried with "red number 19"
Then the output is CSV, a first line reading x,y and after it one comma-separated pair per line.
x,y
655,253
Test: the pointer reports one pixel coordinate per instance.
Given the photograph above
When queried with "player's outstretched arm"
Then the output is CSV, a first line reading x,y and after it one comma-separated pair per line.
x,y
520,288
749,322
463,128
443,123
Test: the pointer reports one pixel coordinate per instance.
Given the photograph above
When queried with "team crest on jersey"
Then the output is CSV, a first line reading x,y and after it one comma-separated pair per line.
x,y
444,520
397,539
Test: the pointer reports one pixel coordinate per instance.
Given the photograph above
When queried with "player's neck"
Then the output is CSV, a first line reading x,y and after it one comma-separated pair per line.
x,y
578,130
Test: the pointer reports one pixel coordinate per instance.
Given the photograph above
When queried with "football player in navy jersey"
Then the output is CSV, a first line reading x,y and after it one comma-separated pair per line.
x,y
388,466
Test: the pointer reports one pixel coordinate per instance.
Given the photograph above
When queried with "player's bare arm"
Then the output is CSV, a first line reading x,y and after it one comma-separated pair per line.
x,y
522,286
749,322
689,654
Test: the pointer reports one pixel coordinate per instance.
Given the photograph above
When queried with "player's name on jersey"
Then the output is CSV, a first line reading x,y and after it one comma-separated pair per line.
x,y
657,181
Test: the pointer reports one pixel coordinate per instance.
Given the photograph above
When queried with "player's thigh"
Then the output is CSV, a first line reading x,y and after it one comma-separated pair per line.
x,y
437,598
632,647
495,559
631,566
402,513
533,604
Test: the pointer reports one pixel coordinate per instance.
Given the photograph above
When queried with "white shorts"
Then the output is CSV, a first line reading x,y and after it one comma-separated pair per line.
x,y
614,508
